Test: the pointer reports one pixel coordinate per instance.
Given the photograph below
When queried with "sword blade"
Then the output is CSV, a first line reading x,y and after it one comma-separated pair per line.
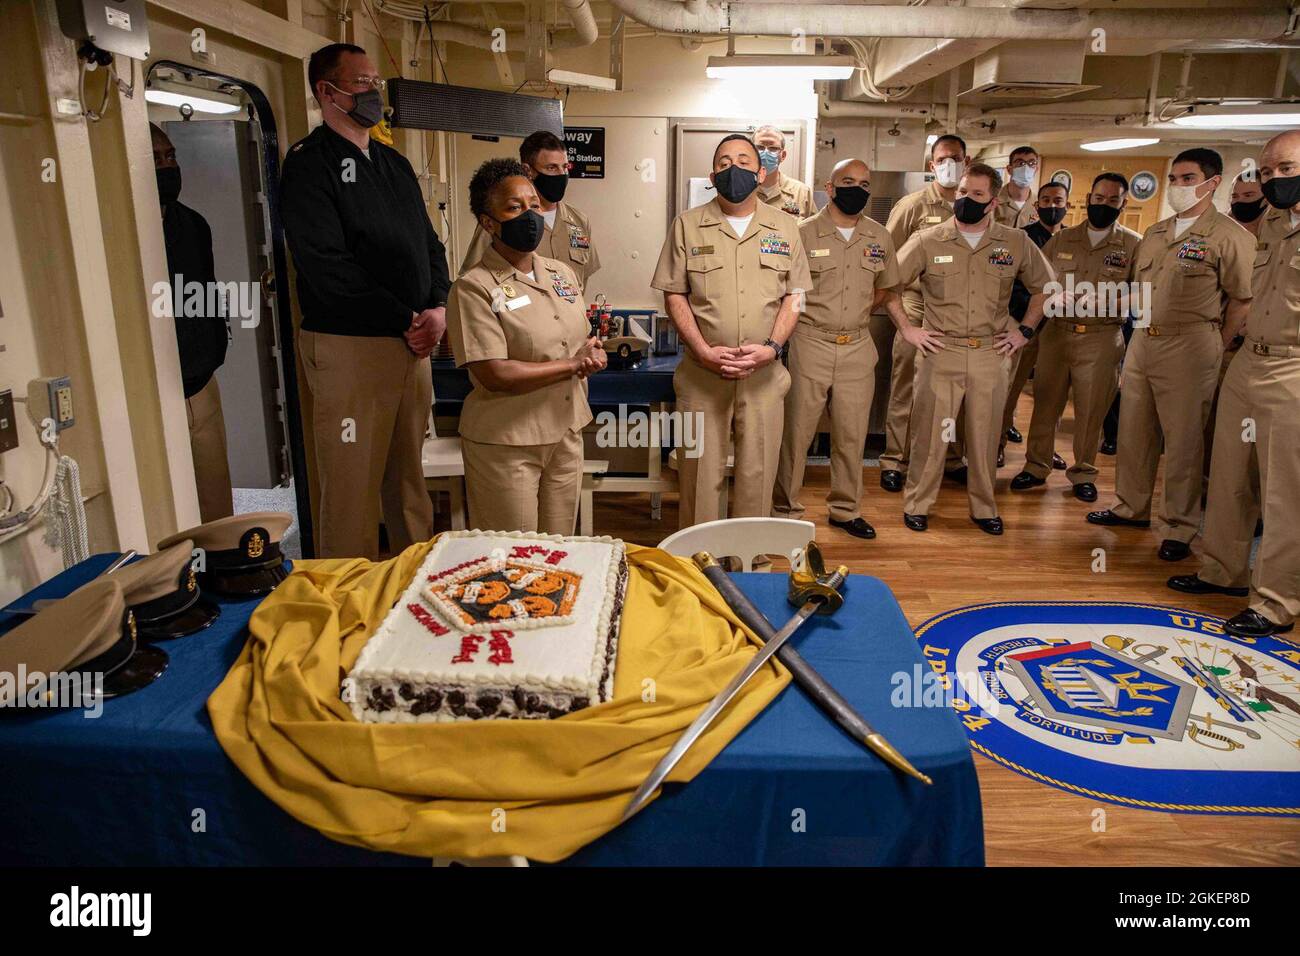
x,y
702,722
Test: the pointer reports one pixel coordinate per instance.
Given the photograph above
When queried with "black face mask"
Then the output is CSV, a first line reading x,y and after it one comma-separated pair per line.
x,y
968,211
524,232
850,200
734,184
1101,216
1248,211
1049,216
1282,192
169,183
551,186
367,108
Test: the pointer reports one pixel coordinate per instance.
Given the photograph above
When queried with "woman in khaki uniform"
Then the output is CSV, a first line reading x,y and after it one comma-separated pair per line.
x,y
518,324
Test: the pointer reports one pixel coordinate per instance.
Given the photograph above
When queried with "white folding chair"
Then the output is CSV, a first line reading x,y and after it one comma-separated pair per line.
x,y
743,538
444,470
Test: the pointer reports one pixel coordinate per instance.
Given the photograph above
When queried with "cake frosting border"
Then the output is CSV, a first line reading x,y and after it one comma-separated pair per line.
x,y
601,670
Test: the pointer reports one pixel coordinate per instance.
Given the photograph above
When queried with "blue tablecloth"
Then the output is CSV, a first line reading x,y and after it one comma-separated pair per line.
x,y
147,783
650,381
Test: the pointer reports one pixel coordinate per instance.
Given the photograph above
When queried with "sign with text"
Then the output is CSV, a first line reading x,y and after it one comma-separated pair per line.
x,y
586,147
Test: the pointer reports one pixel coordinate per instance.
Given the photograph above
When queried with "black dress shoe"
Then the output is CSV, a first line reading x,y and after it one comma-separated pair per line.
x,y
891,480
957,474
1014,436
1111,519
1250,623
1058,462
858,527
916,522
1002,457
1108,448
1191,584
1171,550
988,525
1026,480
1085,491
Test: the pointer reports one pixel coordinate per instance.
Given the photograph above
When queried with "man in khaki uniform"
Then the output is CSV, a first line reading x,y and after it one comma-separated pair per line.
x,y
916,211
731,272
966,268
1256,467
832,357
779,190
567,237
1014,206
1082,346
1187,266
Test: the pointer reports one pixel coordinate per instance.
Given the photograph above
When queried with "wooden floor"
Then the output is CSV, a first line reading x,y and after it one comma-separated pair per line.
x,y
1046,553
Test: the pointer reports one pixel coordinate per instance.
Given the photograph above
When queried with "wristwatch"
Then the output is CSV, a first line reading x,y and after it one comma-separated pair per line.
x,y
774,346
1026,331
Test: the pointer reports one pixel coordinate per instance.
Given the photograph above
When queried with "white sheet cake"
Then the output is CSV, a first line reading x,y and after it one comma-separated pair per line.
x,y
497,625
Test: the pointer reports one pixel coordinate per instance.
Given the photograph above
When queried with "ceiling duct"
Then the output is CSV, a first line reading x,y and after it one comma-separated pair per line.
x,y
1044,70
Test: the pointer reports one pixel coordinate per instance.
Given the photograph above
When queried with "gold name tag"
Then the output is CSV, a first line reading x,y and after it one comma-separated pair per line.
x,y
818,253
934,218
942,259
1065,255
701,250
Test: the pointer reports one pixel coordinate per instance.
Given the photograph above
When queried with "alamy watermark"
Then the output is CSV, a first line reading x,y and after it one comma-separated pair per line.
x,y
651,429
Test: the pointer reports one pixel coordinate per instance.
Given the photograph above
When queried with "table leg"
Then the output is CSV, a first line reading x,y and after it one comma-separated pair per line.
x,y
456,493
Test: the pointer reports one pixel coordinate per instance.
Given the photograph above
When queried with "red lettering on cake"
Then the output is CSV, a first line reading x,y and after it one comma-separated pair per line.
x,y
430,623
555,557
500,647
442,574
468,648
526,550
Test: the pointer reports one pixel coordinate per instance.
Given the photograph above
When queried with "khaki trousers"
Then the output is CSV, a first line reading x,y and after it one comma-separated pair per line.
x,y
1083,363
957,376
1168,383
902,382
531,488
841,378
902,376
1228,355
208,447
748,413
370,406
1025,360
1247,478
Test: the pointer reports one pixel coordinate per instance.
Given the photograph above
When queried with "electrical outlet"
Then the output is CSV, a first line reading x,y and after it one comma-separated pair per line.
x,y
8,424
51,398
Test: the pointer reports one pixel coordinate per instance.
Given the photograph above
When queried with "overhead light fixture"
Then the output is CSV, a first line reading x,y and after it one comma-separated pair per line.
x,y
1105,145
781,66
208,102
931,139
1285,116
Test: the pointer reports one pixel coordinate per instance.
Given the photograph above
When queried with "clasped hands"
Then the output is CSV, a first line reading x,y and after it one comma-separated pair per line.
x,y
591,359
736,363
426,331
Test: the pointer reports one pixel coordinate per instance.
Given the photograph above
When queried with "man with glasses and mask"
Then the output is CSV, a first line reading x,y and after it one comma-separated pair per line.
x,y
1014,208
1081,348
1053,198
832,356
916,211
733,272
1187,267
372,285
567,237
784,192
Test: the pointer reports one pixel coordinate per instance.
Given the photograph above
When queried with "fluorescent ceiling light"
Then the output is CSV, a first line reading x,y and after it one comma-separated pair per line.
x,y
931,139
1105,145
780,66
202,104
1258,117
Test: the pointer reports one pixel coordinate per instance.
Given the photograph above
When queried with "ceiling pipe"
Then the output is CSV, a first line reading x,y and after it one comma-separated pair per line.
x,y
584,32
1004,23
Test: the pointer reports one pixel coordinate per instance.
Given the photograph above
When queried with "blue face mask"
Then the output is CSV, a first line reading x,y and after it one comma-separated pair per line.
x,y
770,158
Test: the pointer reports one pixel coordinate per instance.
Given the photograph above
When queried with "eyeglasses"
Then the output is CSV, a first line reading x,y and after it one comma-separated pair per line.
x,y
369,82
1031,163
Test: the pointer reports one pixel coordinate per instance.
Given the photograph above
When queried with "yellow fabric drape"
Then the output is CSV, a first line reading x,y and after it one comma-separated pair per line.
x,y
541,789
